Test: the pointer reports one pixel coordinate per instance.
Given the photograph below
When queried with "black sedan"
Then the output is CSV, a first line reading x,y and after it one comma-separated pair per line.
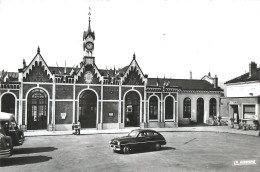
x,y
138,139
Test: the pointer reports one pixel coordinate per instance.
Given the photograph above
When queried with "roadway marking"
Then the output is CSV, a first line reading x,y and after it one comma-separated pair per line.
x,y
189,141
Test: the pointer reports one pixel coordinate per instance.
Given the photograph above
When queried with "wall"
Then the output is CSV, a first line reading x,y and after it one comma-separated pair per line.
x,y
63,107
227,102
110,112
243,90
194,96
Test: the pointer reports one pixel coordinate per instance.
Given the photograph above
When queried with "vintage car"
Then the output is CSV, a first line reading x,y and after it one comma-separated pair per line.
x,y
138,139
6,146
11,129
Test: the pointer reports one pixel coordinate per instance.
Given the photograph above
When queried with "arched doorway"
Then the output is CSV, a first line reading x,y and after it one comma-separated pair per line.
x,y
8,103
37,109
200,110
132,109
88,109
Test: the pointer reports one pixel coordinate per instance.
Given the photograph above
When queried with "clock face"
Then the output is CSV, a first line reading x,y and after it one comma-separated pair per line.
x,y
88,77
89,45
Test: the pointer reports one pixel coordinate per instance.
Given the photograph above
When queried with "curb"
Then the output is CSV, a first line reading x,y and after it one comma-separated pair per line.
x,y
256,134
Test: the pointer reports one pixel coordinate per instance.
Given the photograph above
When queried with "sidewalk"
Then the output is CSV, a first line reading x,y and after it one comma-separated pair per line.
x,y
217,129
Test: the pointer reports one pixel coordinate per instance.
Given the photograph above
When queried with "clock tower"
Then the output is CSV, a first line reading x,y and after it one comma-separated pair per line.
x,y
88,44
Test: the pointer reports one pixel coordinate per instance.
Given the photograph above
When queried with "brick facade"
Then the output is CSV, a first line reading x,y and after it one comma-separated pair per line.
x,y
53,98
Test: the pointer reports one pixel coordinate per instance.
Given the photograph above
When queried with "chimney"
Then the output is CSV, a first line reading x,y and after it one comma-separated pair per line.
x,y
65,68
190,74
252,68
20,75
215,81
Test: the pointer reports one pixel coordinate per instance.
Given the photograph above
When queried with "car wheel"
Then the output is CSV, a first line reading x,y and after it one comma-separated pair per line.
x,y
157,146
126,150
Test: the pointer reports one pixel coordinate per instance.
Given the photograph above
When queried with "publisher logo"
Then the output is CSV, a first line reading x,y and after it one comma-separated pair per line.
x,y
245,162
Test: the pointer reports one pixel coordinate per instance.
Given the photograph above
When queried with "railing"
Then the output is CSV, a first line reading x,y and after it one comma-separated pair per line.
x,y
111,81
64,80
10,86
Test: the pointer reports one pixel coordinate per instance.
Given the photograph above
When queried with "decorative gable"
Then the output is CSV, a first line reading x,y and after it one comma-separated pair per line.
x,y
88,74
134,74
133,78
37,71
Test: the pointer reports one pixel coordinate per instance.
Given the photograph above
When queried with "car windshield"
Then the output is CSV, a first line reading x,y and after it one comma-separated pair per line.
x,y
133,133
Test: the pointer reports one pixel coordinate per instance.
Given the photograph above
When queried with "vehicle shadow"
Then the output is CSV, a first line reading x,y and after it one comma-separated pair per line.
x,y
163,148
23,160
33,150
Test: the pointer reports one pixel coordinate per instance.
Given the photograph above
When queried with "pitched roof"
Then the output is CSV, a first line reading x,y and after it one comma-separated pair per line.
x,y
12,76
133,66
246,78
184,84
113,72
89,32
37,59
61,70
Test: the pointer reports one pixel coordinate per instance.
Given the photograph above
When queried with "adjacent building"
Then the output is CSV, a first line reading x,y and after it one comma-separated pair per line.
x,y
242,101
52,98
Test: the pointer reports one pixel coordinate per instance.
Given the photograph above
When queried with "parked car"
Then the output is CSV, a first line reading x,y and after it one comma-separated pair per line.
x,y
5,144
138,139
11,128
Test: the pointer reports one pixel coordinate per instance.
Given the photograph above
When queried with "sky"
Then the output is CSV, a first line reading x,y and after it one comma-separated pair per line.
x,y
169,37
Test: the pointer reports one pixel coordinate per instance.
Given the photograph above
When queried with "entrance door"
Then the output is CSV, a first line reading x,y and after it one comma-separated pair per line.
x,y
132,109
200,110
88,109
37,109
235,113
8,103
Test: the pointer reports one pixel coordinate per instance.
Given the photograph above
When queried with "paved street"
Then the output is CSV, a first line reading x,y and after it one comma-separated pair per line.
x,y
185,151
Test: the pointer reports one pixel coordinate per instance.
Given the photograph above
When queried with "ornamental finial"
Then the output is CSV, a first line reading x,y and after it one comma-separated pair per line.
x,y
38,50
89,14
134,56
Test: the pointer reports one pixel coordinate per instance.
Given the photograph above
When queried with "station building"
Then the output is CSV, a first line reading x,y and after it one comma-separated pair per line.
x,y
52,98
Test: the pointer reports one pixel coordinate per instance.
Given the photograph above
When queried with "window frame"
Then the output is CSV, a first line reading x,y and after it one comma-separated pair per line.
x,y
158,112
243,108
173,108
212,107
188,105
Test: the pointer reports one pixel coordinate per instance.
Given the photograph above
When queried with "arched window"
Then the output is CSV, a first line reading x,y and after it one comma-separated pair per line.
x,y
153,108
8,103
187,108
169,108
212,107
